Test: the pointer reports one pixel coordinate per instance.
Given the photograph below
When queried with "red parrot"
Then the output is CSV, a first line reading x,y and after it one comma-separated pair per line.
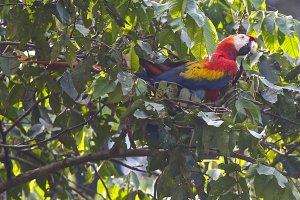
x,y
210,74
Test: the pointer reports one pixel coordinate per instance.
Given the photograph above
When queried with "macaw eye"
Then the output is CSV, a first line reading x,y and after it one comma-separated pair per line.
x,y
242,36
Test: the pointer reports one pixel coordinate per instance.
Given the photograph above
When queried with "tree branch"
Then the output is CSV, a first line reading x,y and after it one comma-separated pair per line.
x,y
69,162
14,4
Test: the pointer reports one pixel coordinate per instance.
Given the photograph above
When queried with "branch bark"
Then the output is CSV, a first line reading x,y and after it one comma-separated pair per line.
x,y
69,162
78,160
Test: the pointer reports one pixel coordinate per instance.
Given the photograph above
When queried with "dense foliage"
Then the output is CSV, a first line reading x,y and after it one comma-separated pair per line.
x,y
66,131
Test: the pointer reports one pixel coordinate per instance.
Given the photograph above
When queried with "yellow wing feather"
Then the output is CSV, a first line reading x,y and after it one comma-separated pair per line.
x,y
197,71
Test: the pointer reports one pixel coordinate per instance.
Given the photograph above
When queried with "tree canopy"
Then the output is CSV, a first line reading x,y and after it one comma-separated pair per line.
x,y
100,132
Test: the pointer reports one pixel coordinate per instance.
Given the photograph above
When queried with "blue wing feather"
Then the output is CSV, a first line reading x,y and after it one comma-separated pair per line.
x,y
173,75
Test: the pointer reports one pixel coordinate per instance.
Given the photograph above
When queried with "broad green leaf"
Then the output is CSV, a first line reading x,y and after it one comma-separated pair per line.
x,y
221,186
230,167
222,138
35,130
185,38
62,14
271,40
269,23
55,50
259,4
9,64
270,69
15,94
198,46
139,114
244,106
70,53
83,30
210,36
133,59
285,24
127,81
297,28
67,85
290,46
177,8
103,86
192,10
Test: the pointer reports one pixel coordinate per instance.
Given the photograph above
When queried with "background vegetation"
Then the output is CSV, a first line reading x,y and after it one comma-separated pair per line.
x,y
65,132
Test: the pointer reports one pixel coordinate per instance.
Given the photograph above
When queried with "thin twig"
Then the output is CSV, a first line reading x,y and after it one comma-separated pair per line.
x,y
102,181
27,112
86,189
53,137
280,117
19,160
132,167
74,26
78,192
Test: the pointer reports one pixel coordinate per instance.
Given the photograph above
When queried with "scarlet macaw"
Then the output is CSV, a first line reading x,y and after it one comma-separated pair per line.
x,y
210,74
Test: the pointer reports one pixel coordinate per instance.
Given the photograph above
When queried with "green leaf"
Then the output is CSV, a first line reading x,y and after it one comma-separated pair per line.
x,y
271,40
245,106
230,168
35,130
67,85
127,81
62,14
177,8
70,53
133,59
103,86
210,36
15,94
258,4
192,10
297,28
290,46
55,50
285,24
270,69
269,23
221,186
83,30
198,46
9,64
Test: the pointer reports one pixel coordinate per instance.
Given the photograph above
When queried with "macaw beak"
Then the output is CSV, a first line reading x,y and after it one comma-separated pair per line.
x,y
250,47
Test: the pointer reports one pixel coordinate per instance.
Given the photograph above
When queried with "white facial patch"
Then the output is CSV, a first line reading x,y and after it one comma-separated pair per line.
x,y
253,47
240,40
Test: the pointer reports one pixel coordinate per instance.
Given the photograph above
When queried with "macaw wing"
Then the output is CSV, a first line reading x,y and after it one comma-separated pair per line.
x,y
175,76
194,75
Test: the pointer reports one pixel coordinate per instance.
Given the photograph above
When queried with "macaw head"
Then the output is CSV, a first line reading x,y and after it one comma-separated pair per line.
x,y
237,45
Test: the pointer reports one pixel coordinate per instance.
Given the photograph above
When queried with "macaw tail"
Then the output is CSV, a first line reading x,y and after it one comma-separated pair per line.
x,y
155,69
